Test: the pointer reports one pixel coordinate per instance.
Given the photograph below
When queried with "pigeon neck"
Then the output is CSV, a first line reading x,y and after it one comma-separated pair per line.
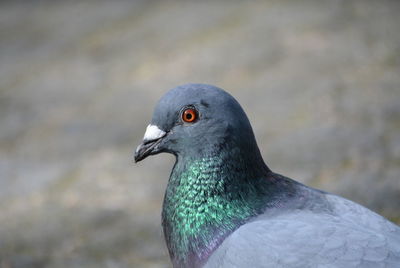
x,y
207,198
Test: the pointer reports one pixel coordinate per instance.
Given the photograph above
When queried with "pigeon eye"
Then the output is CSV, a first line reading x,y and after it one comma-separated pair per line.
x,y
189,115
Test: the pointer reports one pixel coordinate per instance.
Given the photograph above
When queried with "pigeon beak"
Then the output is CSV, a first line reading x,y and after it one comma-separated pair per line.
x,y
152,138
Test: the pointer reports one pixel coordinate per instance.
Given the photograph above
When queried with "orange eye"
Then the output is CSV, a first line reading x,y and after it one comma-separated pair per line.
x,y
189,115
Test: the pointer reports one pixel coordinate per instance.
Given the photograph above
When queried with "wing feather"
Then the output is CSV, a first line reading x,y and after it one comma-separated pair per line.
x,y
350,236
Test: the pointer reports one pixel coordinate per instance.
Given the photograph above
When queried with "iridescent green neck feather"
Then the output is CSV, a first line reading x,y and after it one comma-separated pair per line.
x,y
207,198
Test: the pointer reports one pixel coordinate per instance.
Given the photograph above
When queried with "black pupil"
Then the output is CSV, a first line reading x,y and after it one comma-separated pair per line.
x,y
188,116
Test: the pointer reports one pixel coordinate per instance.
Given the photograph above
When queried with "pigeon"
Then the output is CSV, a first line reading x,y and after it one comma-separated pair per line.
x,y
224,207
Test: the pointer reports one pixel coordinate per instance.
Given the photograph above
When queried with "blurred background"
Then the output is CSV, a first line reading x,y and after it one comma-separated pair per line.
x,y
319,80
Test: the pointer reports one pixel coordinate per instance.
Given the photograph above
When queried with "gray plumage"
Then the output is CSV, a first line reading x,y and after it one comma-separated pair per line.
x,y
336,233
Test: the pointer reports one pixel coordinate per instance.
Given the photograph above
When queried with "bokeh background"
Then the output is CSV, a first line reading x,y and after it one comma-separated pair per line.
x,y
320,81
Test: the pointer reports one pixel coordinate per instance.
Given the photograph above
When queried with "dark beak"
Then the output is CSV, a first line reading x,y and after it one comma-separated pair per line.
x,y
146,148
150,145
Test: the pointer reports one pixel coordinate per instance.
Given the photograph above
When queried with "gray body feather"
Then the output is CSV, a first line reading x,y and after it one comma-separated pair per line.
x,y
339,233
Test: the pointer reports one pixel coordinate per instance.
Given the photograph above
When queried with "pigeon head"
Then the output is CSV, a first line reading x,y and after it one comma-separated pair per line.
x,y
195,120
217,181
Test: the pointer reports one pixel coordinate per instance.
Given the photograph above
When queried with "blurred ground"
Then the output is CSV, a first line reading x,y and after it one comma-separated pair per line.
x,y
78,80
